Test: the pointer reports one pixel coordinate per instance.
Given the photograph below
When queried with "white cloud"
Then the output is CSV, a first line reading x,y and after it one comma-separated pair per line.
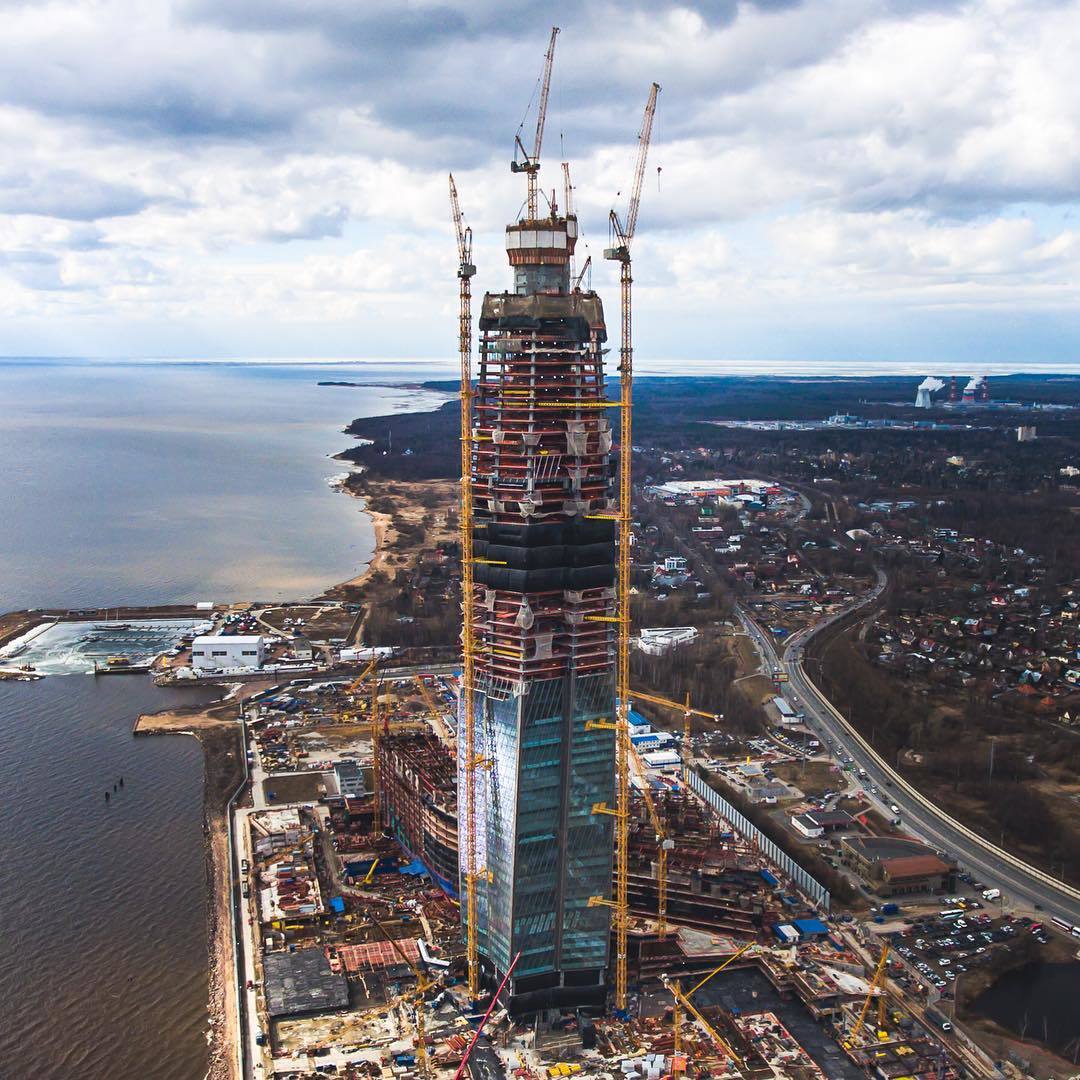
x,y
197,175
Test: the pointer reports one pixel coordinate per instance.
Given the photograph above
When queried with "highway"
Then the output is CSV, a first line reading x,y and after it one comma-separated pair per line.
x,y
1023,886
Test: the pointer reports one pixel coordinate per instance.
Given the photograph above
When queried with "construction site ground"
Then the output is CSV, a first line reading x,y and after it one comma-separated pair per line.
x,y
716,889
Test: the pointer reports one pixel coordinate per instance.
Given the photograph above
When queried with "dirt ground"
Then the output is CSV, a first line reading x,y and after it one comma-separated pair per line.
x,y
300,787
813,778
320,623
16,623
1001,1045
216,729
743,650
758,689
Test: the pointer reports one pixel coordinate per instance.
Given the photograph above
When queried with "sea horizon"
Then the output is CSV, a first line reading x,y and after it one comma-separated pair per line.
x,y
438,368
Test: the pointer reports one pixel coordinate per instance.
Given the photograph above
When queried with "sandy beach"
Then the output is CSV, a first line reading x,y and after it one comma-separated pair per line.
x,y
407,517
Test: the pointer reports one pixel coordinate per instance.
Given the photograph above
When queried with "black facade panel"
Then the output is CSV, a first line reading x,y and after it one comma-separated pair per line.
x,y
553,580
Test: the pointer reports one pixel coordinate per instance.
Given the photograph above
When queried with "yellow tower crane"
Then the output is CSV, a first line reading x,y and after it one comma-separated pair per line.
x,y
423,984
435,712
876,989
687,712
376,814
359,680
663,846
346,715
530,163
682,1001
620,253
283,853
466,270
662,842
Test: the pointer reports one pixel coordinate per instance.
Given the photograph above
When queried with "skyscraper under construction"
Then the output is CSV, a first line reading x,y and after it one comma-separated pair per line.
x,y
541,616
544,662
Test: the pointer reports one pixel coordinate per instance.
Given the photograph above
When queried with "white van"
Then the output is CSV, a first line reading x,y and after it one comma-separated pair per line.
x,y
991,894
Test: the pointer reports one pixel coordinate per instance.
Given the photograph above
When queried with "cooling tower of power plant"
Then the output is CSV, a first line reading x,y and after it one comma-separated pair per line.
x,y
544,662
926,388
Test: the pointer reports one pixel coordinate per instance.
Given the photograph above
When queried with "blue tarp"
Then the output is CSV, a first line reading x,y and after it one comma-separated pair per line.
x,y
811,927
769,877
414,869
337,904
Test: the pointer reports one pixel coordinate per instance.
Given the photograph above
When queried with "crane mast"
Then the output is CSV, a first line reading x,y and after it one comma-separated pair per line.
x,y
876,985
621,254
531,163
466,270
663,846
376,783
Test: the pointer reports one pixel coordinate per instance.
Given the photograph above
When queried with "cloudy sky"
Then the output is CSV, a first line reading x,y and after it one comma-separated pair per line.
x,y
841,179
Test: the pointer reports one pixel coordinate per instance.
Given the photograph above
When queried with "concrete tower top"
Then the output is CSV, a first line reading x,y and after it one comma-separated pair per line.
x,y
540,252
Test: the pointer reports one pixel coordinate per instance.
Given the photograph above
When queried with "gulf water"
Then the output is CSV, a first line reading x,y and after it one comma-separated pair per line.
x,y
142,483
172,482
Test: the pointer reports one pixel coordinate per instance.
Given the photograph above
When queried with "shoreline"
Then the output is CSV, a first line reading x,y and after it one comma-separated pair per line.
x,y
384,526
223,779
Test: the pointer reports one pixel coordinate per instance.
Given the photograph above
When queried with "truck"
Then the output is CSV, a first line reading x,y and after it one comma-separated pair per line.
x,y
935,1016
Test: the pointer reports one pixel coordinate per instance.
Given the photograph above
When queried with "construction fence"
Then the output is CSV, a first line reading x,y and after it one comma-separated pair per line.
x,y
776,855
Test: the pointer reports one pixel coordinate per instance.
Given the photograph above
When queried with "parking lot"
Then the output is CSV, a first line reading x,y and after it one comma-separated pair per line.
x,y
940,948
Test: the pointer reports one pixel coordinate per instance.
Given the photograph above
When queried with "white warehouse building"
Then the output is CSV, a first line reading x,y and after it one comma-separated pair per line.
x,y
662,639
213,653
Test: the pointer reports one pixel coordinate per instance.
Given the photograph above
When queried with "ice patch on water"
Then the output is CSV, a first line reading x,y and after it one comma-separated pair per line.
x,y
72,648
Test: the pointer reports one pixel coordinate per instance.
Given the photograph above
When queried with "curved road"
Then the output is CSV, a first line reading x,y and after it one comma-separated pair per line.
x,y
1022,885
